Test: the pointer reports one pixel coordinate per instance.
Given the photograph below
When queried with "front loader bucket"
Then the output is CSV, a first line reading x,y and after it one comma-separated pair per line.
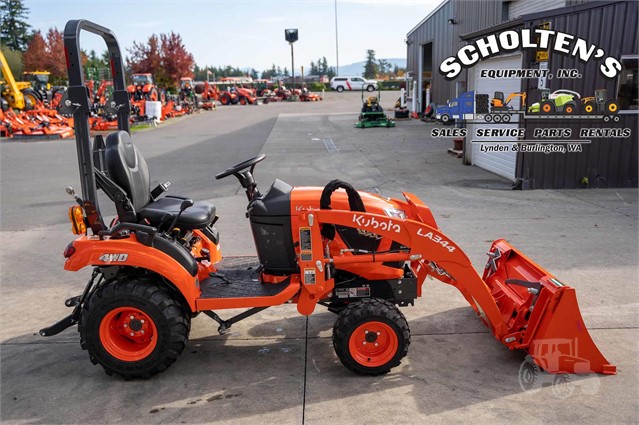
x,y
541,314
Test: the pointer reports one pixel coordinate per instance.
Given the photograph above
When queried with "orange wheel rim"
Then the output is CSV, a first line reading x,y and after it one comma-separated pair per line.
x,y
546,108
612,108
128,334
569,110
373,344
588,108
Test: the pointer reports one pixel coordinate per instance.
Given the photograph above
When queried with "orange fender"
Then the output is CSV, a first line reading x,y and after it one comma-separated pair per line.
x,y
91,251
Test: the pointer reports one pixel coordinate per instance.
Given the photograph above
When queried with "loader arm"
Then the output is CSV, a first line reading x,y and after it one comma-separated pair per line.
x,y
523,305
15,96
433,252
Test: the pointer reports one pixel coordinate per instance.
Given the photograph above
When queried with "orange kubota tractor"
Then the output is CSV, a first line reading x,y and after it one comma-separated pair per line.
x,y
143,87
359,254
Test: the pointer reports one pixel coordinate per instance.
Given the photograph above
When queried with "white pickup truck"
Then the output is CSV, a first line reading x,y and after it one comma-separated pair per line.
x,y
352,83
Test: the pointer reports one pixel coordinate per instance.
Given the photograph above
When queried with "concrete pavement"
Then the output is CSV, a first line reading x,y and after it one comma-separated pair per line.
x,y
270,368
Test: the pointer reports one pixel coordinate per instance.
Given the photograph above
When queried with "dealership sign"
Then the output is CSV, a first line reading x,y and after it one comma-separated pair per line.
x,y
538,39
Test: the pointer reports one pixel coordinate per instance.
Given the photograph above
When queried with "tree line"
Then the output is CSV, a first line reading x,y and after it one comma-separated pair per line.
x,y
163,55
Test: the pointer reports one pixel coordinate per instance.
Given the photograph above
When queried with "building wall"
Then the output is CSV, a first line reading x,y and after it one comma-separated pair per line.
x,y
469,16
605,162
523,7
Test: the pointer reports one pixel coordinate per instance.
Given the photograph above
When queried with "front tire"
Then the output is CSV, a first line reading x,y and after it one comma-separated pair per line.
x,y
340,89
370,337
133,327
370,88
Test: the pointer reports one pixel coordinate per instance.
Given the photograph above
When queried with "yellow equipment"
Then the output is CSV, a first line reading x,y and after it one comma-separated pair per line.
x,y
12,91
499,104
39,81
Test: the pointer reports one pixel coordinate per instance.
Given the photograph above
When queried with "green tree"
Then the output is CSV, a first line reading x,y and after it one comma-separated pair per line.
x,y
371,69
322,66
384,66
267,74
96,67
14,29
14,60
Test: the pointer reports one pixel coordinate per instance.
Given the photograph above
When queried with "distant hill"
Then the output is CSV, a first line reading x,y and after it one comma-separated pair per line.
x,y
357,68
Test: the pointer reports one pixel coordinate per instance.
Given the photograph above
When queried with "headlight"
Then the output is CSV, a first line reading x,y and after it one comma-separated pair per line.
x,y
395,213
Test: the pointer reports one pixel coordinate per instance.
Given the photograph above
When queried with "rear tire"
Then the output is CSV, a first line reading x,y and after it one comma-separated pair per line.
x,y
570,108
152,95
160,326
371,336
612,106
547,107
590,107
31,99
370,88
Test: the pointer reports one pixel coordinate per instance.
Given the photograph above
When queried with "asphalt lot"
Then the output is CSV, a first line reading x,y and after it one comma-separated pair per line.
x,y
269,369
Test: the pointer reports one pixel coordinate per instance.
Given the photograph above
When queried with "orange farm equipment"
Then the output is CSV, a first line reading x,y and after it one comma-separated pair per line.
x,y
188,96
359,254
210,95
143,88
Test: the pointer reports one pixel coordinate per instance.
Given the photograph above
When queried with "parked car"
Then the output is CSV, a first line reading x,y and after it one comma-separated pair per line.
x,y
352,83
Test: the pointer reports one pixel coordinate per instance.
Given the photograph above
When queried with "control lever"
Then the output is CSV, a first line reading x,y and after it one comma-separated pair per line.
x,y
166,219
71,192
187,203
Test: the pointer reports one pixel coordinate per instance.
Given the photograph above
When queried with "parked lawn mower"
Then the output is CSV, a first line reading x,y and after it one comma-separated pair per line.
x,y
308,96
359,254
372,114
187,95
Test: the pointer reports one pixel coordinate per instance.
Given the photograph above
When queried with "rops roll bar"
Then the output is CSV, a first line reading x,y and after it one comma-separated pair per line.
x,y
78,102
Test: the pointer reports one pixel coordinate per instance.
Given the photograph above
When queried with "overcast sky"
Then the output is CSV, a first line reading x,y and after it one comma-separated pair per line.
x,y
248,33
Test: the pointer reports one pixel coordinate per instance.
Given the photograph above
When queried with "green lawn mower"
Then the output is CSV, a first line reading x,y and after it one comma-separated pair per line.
x,y
372,114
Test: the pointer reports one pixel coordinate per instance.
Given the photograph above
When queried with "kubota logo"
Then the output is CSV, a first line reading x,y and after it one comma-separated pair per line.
x,y
372,223
113,258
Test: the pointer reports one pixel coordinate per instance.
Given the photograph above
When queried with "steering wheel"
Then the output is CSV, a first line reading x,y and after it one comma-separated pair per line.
x,y
241,166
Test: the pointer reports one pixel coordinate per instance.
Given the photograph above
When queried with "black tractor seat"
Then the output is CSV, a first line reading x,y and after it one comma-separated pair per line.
x,y
196,217
127,168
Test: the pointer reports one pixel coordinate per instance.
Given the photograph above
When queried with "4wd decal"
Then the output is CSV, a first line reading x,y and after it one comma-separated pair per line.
x,y
113,258
437,239
373,223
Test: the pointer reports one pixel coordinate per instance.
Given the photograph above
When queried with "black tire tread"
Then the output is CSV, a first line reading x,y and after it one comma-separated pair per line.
x,y
357,313
139,289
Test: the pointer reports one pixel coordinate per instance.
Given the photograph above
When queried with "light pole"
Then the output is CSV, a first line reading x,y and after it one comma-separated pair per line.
x,y
291,36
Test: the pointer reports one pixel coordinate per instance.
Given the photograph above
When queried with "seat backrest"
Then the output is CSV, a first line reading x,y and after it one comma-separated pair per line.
x,y
127,168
